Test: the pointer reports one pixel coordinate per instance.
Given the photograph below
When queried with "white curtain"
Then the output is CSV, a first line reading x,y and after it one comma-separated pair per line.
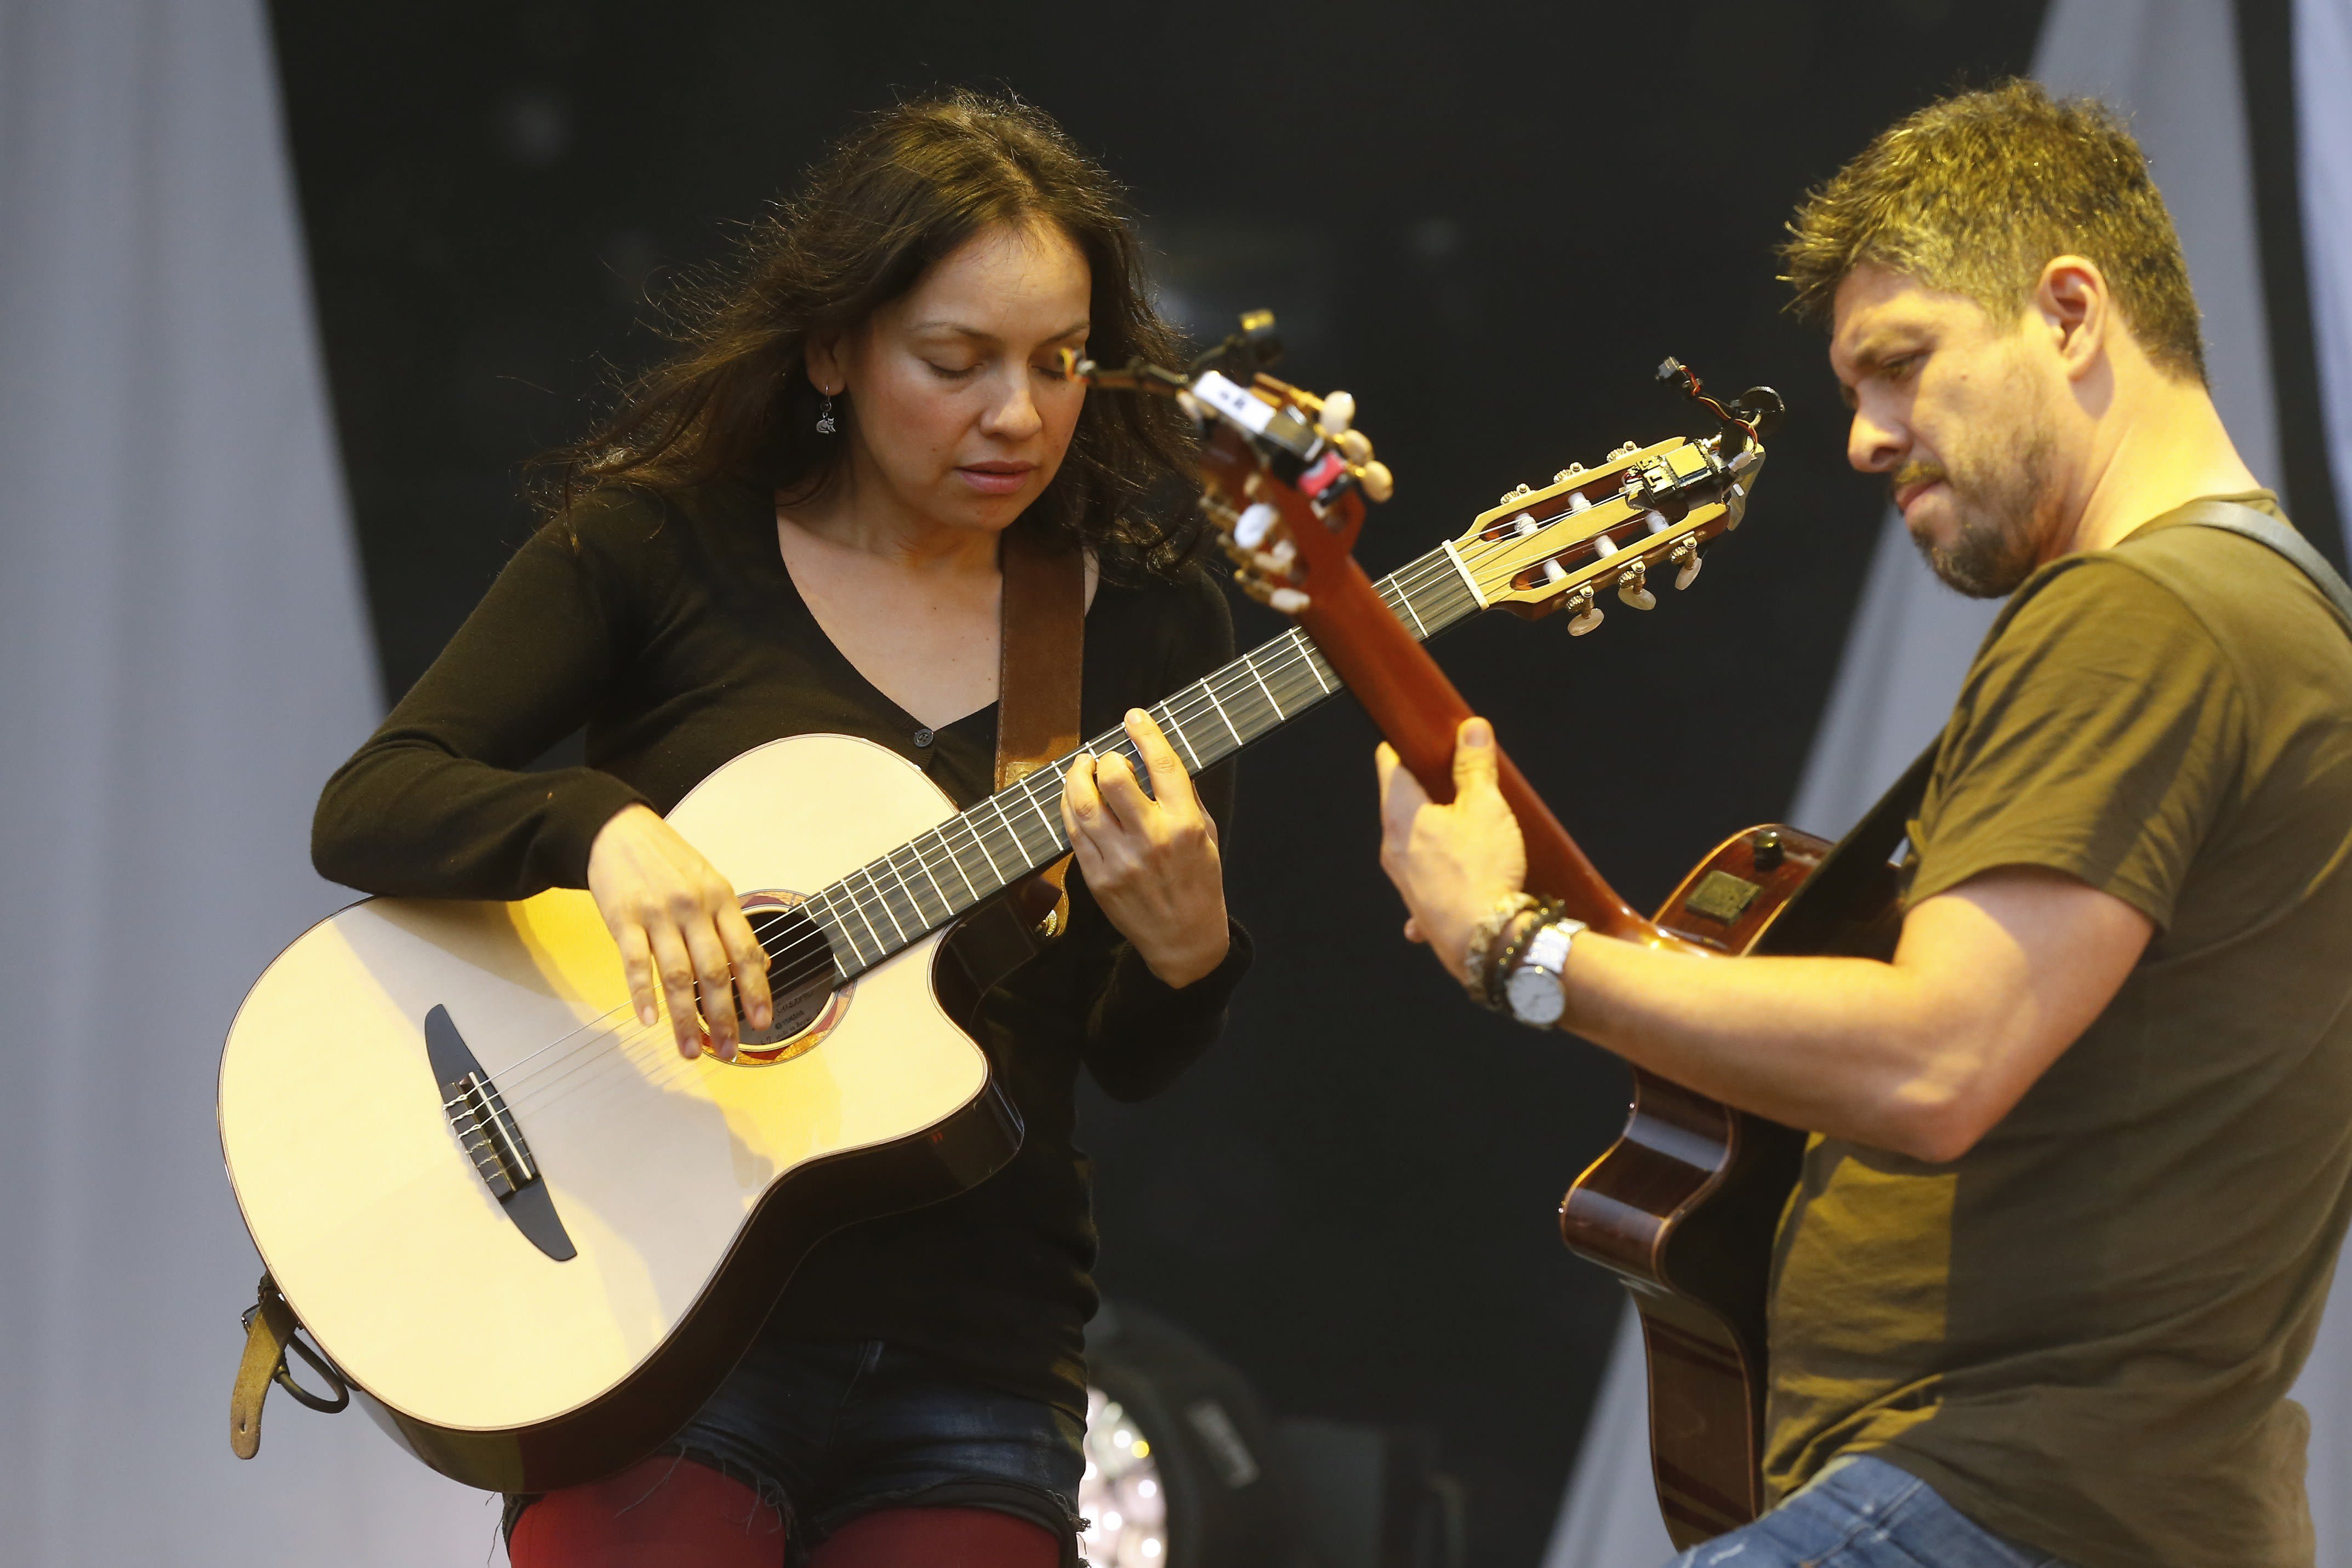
x,y
2173,65
183,659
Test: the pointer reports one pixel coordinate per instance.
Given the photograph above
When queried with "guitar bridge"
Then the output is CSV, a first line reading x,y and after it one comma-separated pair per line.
x,y
486,1130
484,1125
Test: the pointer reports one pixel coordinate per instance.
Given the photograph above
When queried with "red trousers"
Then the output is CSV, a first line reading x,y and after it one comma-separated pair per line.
x,y
668,1512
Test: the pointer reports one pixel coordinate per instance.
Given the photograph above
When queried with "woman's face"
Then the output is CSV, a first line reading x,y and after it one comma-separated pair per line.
x,y
962,413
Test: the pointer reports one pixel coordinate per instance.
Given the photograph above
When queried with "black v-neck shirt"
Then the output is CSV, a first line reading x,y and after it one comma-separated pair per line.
x,y
670,629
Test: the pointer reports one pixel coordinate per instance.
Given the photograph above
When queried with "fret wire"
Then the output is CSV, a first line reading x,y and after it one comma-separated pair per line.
x,y
883,899
828,928
956,860
1013,832
914,899
972,825
1250,664
820,909
1001,880
1208,687
1312,661
914,846
1182,740
1240,699
859,905
1406,599
1053,828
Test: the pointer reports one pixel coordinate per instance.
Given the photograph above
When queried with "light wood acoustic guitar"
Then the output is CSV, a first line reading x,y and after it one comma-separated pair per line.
x,y
1684,1207
531,1236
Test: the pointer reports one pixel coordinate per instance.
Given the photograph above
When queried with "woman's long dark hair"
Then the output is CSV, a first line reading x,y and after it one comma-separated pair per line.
x,y
901,193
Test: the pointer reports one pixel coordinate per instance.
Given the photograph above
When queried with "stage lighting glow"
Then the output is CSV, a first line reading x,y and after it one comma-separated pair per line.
x,y
1121,1494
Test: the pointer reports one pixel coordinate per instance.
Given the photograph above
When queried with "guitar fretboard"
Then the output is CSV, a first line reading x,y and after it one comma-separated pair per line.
x,y
889,904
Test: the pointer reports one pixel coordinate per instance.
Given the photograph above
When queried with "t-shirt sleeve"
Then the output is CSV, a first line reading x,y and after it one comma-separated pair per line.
x,y
437,803
2099,734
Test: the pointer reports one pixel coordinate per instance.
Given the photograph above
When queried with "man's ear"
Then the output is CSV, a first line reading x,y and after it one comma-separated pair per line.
x,y
2073,305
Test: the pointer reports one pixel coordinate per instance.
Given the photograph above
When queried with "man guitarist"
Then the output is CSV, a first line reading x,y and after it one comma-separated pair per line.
x,y
2082,1148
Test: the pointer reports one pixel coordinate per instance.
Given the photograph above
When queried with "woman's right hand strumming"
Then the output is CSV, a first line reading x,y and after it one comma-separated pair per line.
x,y
676,919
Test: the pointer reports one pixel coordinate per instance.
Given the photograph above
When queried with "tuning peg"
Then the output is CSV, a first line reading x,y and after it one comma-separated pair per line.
x,y
1587,614
1378,482
1289,601
1356,447
1686,557
1274,562
1251,528
1633,588
1338,412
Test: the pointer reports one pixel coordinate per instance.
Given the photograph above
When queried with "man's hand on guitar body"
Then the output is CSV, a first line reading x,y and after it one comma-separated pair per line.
x,y
1150,860
676,921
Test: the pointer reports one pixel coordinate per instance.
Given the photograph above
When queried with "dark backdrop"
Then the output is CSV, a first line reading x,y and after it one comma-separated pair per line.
x,y
1490,222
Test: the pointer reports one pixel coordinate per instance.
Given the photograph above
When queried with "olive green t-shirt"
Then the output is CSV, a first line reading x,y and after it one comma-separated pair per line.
x,y
2082,1331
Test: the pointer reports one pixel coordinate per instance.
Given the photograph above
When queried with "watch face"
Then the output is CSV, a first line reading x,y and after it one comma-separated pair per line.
x,y
1535,995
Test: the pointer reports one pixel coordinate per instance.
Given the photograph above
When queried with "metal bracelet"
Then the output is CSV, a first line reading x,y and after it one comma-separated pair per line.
x,y
1486,932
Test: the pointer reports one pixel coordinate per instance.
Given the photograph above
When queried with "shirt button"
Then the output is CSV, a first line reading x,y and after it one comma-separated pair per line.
x,y
922,738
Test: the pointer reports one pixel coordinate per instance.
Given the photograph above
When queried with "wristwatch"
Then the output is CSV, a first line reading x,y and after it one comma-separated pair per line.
x,y
1536,990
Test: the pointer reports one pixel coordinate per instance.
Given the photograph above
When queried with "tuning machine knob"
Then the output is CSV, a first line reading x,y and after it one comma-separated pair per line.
x,y
1685,556
1584,615
1633,588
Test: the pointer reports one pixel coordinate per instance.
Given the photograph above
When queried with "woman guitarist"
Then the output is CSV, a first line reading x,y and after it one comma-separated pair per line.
x,y
793,526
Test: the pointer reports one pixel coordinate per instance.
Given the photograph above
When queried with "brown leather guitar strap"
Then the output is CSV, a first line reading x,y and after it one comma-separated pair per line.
x,y
1042,639
271,1331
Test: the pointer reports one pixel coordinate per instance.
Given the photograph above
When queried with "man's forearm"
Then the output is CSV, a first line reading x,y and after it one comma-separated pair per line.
x,y
1922,1055
1842,1046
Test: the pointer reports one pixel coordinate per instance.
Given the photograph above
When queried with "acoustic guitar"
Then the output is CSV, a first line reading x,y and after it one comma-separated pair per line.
x,y
1684,1207
531,1236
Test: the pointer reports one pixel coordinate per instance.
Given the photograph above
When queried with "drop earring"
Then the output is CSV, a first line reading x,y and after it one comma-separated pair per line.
x,y
825,425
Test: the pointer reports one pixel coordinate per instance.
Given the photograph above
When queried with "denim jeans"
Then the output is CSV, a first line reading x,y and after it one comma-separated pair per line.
x,y
1862,1512
826,1432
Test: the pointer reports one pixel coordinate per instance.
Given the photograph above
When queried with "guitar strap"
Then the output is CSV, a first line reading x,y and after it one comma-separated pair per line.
x,y
1041,640
271,1331
2236,517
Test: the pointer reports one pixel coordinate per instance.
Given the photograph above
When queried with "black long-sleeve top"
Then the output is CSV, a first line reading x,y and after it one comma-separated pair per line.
x,y
671,631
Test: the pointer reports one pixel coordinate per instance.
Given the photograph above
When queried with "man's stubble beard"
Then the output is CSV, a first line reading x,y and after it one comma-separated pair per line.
x,y
2004,497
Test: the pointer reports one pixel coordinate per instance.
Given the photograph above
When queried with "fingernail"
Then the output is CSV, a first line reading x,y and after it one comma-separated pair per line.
x,y
646,1014
1477,731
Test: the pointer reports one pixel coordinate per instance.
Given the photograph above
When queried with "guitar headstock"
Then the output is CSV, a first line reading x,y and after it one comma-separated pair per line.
x,y
1643,514
1286,477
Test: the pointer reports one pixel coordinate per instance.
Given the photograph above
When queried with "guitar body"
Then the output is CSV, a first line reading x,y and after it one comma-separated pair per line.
x,y
683,1192
1685,1207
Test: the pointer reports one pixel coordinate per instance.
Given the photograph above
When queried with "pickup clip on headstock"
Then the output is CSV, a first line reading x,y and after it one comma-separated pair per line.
x,y
1307,442
1749,418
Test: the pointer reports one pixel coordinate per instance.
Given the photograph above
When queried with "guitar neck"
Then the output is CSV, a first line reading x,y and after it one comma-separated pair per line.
x,y
1417,708
889,904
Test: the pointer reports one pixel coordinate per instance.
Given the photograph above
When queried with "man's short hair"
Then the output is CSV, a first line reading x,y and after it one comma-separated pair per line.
x,y
1974,194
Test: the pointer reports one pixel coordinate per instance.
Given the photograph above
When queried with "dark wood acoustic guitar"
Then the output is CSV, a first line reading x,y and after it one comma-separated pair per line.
x,y
1684,1207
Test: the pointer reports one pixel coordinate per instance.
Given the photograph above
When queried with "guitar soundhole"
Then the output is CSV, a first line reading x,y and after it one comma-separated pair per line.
x,y
801,979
